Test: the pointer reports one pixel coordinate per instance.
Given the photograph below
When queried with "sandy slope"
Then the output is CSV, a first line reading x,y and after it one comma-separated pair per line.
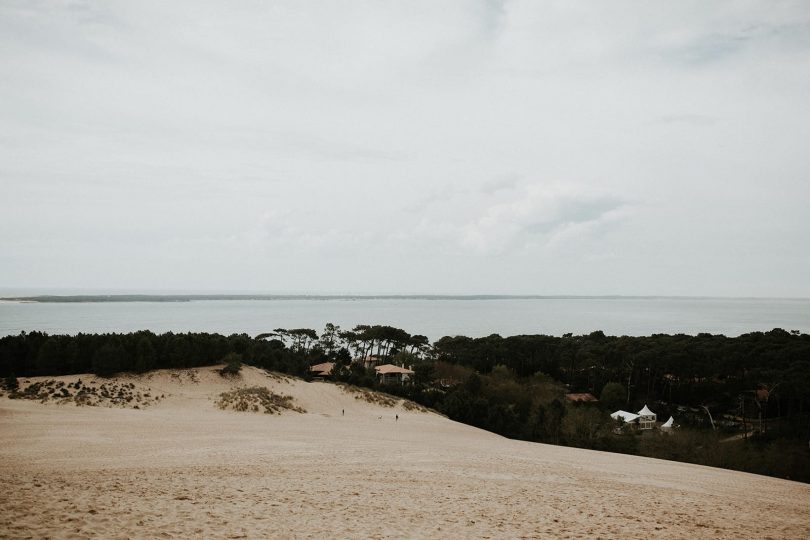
x,y
182,468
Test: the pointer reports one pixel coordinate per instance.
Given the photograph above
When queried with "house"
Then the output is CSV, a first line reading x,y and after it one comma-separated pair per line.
x,y
624,416
646,418
391,374
581,398
322,370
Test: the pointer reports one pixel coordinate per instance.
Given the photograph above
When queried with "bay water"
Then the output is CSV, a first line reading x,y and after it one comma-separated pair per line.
x,y
431,317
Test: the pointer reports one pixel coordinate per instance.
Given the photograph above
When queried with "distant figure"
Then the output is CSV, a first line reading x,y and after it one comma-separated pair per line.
x,y
342,412
396,418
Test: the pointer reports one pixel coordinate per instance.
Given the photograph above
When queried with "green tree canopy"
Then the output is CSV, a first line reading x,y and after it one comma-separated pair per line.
x,y
613,396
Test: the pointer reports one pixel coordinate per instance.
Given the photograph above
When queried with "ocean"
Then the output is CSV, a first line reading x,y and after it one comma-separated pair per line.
x,y
430,317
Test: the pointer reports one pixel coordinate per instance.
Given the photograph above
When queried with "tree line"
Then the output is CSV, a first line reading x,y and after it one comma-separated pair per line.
x,y
514,386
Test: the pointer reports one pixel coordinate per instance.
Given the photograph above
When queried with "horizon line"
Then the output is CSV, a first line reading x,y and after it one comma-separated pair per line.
x,y
183,297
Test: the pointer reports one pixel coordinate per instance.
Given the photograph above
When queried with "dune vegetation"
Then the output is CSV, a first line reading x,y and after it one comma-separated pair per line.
x,y
740,403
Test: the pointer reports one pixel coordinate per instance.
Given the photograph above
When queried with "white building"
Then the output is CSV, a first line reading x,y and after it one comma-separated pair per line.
x,y
624,416
646,418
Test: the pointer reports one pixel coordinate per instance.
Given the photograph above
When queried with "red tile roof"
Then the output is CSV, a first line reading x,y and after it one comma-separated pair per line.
x,y
580,397
322,369
391,368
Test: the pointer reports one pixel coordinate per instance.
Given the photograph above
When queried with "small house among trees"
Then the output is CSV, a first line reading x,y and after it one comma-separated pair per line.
x,y
644,419
322,370
624,416
581,398
391,374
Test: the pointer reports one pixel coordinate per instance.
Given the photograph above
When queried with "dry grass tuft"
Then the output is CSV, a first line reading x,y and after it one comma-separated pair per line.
x,y
107,394
409,405
185,375
256,399
382,399
280,377
370,396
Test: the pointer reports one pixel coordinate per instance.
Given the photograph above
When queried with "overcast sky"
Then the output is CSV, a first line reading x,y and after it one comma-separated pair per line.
x,y
406,147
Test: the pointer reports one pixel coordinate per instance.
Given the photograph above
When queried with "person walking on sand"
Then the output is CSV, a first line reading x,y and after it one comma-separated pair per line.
x,y
396,418
342,412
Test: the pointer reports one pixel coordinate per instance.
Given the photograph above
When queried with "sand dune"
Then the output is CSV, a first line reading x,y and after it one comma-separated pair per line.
x,y
180,467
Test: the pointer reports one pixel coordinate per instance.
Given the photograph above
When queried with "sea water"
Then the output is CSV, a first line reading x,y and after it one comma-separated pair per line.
x,y
431,317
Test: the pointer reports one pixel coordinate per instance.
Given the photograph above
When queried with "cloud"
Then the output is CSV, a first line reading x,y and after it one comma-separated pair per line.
x,y
534,217
736,36
697,120
284,234
390,145
539,214
501,183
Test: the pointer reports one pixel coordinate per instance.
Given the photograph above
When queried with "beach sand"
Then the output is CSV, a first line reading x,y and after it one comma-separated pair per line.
x,y
182,468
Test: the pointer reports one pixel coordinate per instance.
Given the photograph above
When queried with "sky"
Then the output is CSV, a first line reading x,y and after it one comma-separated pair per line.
x,y
420,147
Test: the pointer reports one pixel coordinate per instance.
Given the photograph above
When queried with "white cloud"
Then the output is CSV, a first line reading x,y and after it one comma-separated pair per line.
x,y
532,216
382,146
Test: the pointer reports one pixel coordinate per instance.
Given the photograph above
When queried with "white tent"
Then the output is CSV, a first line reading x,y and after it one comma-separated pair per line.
x,y
646,418
646,411
627,417
669,424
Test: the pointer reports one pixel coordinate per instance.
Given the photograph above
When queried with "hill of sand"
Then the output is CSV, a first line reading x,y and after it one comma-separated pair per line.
x,y
179,466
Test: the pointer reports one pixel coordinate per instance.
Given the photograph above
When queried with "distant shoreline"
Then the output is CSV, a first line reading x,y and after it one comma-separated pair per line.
x,y
102,298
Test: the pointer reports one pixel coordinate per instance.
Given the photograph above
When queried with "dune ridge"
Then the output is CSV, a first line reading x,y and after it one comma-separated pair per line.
x,y
180,467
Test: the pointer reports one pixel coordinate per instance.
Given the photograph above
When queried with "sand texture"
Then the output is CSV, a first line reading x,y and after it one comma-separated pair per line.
x,y
180,467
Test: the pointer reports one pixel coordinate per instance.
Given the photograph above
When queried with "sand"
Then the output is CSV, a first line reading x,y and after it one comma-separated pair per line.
x,y
181,468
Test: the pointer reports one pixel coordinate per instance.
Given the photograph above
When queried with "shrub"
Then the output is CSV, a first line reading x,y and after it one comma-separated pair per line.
x,y
613,396
11,383
256,398
233,365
